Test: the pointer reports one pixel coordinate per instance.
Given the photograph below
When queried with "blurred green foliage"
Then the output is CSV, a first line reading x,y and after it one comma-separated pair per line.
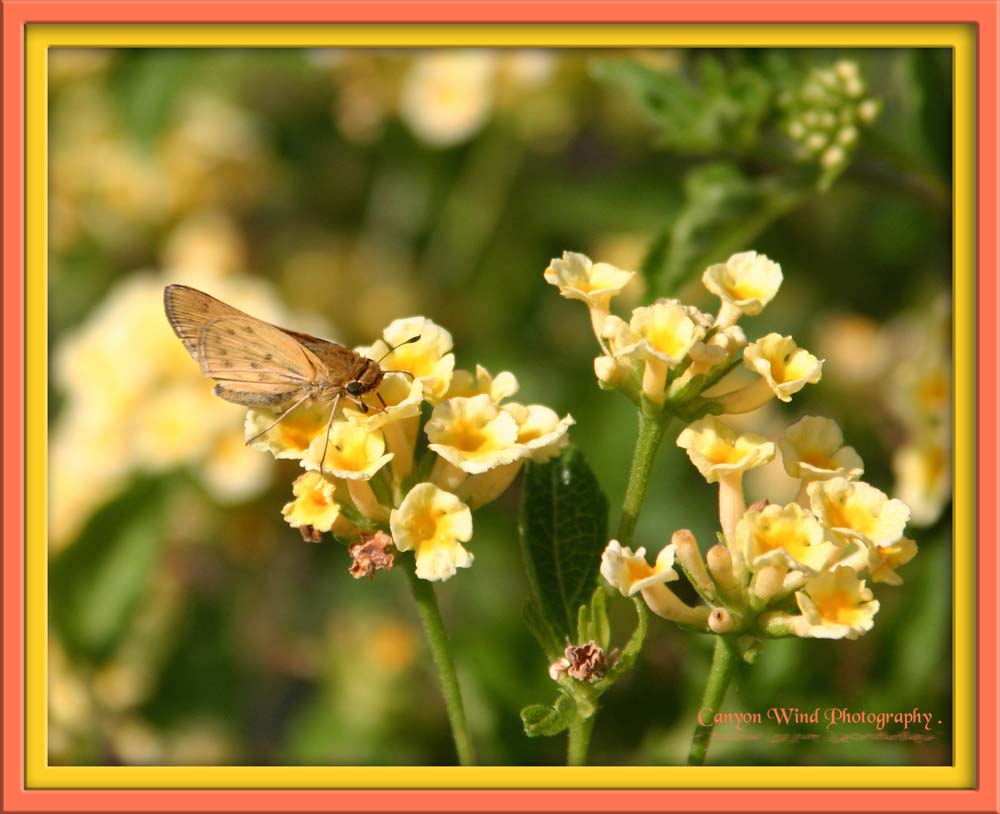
x,y
188,630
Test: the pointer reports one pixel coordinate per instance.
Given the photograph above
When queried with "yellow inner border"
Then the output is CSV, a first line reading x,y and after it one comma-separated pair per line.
x,y
40,37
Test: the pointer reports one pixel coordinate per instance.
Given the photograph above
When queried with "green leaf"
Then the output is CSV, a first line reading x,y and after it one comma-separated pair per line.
x,y
933,71
711,109
540,720
563,530
97,583
546,637
723,213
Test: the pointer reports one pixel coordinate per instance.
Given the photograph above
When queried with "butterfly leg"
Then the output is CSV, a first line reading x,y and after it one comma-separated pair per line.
x,y
326,439
276,421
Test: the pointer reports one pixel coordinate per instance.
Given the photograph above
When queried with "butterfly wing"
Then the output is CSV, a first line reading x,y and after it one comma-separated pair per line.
x,y
253,362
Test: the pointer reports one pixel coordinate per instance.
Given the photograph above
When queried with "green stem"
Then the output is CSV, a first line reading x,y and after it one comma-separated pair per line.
x,y
437,640
723,664
646,444
579,740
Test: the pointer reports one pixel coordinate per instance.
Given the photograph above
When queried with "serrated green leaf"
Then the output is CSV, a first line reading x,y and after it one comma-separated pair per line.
x,y
541,720
97,583
547,638
563,530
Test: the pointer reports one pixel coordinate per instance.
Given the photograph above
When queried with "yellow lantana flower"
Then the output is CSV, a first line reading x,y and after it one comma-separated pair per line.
x,y
922,468
785,366
835,605
717,450
883,561
784,536
353,452
290,437
429,359
745,283
579,278
474,434
630,573
434,524
540,430
813,449
499,387
857,511
314,503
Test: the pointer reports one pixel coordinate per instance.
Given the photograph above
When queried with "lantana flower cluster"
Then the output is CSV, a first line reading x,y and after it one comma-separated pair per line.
x,y
824,114
778,569
372,481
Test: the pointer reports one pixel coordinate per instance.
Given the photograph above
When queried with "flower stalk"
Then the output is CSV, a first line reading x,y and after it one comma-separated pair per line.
x,y
437,642
648,441
724,659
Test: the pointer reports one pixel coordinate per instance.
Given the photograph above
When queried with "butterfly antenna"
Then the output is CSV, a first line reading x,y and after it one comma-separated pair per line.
x,y
409,341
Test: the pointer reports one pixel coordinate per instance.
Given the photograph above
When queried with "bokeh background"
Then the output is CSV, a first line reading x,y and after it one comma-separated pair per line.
x,y
335,190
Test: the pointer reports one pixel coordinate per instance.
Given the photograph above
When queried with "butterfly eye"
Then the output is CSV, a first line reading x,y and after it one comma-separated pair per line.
x,y
354,388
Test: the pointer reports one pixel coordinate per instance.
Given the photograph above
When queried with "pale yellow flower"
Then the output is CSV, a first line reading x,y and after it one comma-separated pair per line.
x,y
314,503
835,605
784,536
402,396
499,387
666,332
434,524
883,561
176,427
785,366
290,437
745,283
353,452
234,472
630,573
813,449
429,359
857,511
447,95
540,430
784,369
578,278
717,450
474,434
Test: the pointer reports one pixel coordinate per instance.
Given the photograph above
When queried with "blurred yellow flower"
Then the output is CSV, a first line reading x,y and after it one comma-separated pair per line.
x,y
883,561
464,384
434,524
474,434
813,449
835,605
447,95
314,503
922,469
857,511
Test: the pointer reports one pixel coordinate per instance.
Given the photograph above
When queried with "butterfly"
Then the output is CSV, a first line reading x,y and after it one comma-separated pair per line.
x,y
257,364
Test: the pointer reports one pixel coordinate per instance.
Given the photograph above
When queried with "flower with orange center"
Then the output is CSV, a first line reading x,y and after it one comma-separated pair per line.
x,y
784,536
883,562
290,437
540,430
314,503
474,434
429,359
784,369
630,573
578,278
835,605
858,512
922,468
813,449
434,524
353,452
745,283
665,332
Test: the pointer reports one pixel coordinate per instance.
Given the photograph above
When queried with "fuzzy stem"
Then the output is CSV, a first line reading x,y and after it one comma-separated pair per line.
x,y
723,665
579,740
646,444
437,641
